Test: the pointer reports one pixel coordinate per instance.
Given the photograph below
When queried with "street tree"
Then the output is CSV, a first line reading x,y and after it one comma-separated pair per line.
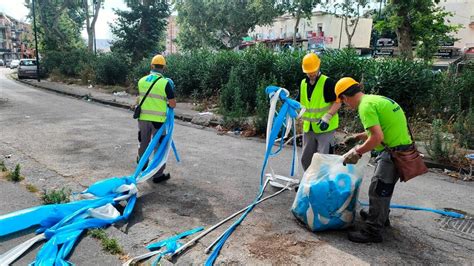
x,y
350,13
298,9
220,24
419,22
59,23
140,30
91,19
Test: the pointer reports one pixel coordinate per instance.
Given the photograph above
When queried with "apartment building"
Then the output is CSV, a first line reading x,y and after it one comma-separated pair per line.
x,y
322,30
15,38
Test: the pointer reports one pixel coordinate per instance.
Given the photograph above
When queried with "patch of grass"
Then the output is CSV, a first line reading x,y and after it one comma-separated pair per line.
x,y
15,176
3,168
31,188
56,196
109,245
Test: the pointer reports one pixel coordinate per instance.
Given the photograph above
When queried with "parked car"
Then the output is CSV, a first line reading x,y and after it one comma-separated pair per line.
x,y
14,63
2,63
385,42
27,68
7,62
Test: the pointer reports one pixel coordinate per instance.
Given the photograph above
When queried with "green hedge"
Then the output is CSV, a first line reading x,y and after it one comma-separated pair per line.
x,y
236,78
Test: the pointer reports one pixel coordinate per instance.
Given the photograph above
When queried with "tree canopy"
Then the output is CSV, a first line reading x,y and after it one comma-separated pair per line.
x,y
220,23
140,30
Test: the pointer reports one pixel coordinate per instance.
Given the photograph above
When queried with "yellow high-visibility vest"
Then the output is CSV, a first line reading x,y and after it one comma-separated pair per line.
x,y
155,104
317,107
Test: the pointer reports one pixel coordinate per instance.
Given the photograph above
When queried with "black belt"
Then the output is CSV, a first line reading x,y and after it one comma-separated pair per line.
x,y
402,147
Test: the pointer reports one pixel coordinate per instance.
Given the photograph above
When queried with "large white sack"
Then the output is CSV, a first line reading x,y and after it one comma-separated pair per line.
x,y
327,195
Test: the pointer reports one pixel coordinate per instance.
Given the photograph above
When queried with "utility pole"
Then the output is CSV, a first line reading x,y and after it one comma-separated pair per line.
x,y
93,15
36,44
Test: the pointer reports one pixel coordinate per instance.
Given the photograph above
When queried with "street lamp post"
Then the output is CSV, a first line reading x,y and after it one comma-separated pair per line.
x,y
93,33
36,44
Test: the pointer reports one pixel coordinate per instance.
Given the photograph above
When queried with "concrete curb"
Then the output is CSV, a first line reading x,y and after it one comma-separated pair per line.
x,y
178,115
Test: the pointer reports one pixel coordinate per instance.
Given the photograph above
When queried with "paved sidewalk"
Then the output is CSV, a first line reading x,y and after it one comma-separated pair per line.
x,y
183,111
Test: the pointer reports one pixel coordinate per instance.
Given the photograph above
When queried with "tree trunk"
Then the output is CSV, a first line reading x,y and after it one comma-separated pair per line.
x,y
298,18
404,32
90,25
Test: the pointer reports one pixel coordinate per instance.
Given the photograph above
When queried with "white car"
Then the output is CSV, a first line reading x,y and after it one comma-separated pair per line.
x,y
14,63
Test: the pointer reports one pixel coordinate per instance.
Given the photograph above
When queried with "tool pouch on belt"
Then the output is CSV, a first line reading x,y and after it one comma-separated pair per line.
x,y
408,161
138,108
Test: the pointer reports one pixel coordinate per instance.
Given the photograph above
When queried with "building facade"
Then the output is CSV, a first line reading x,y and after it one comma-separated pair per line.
x,y
15,38
171,34
322,30
463,14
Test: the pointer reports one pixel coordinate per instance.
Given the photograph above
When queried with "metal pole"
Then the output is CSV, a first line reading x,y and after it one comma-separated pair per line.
x,y
93,15
36,44
340,35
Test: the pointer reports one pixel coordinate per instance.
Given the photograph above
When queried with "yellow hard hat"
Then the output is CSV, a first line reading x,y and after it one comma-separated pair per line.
x,y
343,84
158,60
311,63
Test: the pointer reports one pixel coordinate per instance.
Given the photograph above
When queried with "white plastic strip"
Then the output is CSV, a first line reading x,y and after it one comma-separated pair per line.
x,y
13,254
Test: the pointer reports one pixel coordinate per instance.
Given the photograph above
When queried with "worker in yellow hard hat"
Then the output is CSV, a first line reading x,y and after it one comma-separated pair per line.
x,y
154,106
385,126
320,120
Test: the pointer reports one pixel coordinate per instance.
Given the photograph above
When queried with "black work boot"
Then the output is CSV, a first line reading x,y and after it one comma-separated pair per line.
x,y
364,215
161,178
363,236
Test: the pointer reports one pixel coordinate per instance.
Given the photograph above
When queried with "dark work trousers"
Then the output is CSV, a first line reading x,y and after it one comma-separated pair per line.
x,y
315,142
146,131
380,192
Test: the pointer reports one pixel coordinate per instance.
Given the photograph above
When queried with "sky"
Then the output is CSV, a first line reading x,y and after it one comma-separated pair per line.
x,y
17,9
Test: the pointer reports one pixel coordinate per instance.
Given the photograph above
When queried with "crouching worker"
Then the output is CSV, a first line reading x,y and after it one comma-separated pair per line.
x,y
385,124
153,109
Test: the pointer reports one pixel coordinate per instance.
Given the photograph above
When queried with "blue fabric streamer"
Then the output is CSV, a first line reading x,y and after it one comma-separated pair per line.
x,y
171,244
288,108
415,208
63,224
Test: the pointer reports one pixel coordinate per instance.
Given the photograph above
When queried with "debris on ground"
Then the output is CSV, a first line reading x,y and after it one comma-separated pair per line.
x,y
120,93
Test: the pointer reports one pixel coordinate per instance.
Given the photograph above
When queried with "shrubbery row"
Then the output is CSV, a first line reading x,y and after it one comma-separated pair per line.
x,y
235,78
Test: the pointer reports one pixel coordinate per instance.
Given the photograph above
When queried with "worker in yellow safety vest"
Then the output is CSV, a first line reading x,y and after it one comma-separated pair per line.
x,y
153,108
385,124
320,120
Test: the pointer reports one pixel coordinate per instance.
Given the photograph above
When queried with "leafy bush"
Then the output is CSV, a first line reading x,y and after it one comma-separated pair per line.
x,y
344,63
464,130
140,70
111,69
439,146
3,168
69,63
56,196
15,176
408,83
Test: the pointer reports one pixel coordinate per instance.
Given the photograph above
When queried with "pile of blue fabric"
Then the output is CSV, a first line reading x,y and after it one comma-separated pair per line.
x,y
327,195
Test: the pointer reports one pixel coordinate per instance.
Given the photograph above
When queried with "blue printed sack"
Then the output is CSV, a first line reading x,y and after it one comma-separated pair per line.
x,y
327,195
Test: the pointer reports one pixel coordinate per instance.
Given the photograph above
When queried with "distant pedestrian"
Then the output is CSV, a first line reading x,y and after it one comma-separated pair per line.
x,y
153,109
320,119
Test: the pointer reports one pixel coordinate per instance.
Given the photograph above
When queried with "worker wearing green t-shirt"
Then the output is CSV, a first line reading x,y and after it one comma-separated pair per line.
x,y
385,124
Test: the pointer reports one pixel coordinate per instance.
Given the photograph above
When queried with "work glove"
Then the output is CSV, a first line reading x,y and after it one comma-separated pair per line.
x,y
350,140
351,157
323,122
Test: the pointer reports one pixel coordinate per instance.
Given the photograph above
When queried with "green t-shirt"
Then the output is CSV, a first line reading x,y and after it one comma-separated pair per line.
x,y
379,110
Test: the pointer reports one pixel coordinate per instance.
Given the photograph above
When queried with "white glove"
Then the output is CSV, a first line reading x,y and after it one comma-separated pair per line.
x,y
326,117
351,157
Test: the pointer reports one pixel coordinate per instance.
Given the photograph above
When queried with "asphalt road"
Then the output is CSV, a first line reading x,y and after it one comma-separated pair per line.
x,y
65,142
